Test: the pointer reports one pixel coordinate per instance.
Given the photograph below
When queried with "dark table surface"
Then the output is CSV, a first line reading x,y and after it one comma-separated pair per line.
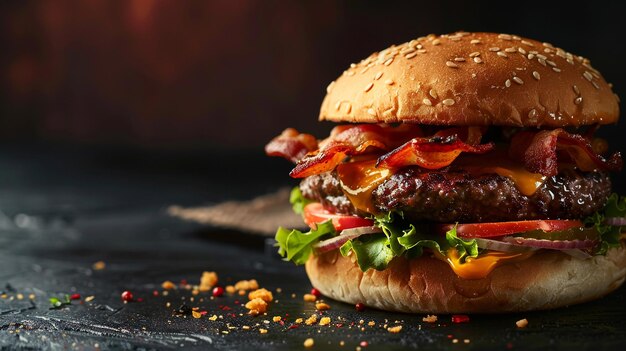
x,y
62,209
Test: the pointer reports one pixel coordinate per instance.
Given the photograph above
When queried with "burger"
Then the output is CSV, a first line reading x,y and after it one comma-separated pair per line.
x,y
465,175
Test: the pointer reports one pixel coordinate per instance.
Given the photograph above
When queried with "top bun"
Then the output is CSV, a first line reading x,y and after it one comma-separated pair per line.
x,y
472,79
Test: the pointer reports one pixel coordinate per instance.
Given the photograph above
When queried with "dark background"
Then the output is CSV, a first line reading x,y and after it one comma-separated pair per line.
x,y
217,74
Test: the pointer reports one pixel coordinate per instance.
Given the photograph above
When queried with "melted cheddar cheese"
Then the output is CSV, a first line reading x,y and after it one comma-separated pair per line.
x,y
481,266
358,181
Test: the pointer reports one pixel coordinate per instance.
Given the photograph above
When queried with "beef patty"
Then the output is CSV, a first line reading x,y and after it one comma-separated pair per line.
x,y
463,197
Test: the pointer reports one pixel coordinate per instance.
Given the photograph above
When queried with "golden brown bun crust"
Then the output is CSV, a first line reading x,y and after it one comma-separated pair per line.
x,y
472,79
549,279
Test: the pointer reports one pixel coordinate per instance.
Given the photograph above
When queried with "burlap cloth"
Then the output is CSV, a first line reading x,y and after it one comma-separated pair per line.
x,y
261,215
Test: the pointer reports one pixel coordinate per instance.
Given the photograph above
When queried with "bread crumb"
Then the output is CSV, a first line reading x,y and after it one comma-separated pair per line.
x,y
213,317
196,314
322,306
371,323
98,266
167,285
207,281
262,294
245,327
87,299
299,320
522,323
276,318
230,289
395,330
430,318
263,331
325,321
257,304
309,342
309,298
251,284
311,320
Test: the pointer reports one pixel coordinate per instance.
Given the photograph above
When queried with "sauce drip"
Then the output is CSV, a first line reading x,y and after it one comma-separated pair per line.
x,y
481,266
358,181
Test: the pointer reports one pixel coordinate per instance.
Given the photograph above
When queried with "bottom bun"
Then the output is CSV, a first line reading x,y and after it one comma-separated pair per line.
x,y
548,279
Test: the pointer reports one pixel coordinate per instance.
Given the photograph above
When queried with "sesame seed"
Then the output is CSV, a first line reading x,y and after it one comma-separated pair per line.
x,y
494,49
475,41
556,69
388,62
551,63
502,54
478,59
427,102
455,38
448,102
518,80
349,73
364,70
570,61
531,56
371,111
532,115
543,57
436,42
595,85
389,82
451,64
511,49
536,75
542,61
329,88
521,50
474,54
407,50
421,51
548,45
369,87
337,105
576,89
534,52
348,107
515,37
411,55
459,59
419,46
432,93
588,76
578,100
352,65
378,75
527,43
504,36
507,83
547,50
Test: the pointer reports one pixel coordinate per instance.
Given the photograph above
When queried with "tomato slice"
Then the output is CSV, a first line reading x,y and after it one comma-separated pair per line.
x,y
316,213
486,230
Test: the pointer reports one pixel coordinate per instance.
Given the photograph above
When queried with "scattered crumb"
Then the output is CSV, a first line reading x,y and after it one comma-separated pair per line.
x,y
263,331
309,342
279,290
371,323
207,281
276,318
466,341
299,320
196,314
430,319
251,284
322,306
230,289
167,285
522,323
342,343
455,341
293,296
241,292
98,266
257,304
254,313
87,299
395,330
311,320
325,321
309,298
262,294
361,321
245,327
20,296
213,317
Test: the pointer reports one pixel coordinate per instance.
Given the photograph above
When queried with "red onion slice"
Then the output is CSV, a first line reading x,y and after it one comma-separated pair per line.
x,y
347,234
501,246
551,244
616,221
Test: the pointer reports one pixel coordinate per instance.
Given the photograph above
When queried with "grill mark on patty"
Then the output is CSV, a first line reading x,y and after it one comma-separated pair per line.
x,y
459,196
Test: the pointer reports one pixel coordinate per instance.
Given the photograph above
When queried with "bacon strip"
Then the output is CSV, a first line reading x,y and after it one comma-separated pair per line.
x,y
540,151
292,145
432,153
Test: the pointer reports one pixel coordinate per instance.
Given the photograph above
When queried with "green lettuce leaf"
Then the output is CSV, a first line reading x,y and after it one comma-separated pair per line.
x,y
296,246
615,207
373,251
464,247
297,200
